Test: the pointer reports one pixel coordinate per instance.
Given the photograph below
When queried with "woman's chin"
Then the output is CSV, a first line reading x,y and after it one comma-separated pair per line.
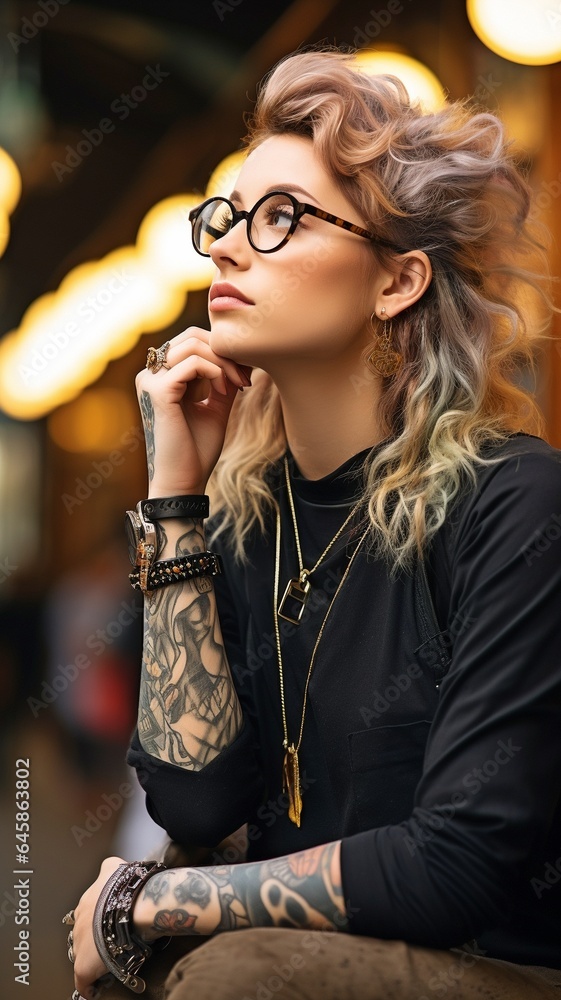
x,y
231,340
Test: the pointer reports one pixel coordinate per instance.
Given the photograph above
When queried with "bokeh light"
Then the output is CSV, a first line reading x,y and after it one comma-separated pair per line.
x,y
524,31
420,82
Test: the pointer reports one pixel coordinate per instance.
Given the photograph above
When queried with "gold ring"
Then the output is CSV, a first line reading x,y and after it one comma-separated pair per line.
x,y
156,357
69,918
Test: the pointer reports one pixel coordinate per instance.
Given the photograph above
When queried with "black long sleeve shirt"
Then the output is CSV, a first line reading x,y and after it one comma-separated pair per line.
x,y
441,775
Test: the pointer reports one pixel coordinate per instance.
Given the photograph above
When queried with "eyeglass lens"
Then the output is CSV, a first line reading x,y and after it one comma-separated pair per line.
x,y
269,226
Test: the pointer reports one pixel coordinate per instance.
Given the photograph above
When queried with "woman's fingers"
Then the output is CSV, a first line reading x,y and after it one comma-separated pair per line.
x,y
186,344
88,964
174,384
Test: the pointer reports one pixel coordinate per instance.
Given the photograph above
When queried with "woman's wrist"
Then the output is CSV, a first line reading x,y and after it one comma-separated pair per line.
x,y
142,918
179,901
162,489
178,536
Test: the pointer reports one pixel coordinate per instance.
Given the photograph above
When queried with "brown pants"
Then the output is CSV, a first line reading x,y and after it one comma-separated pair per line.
x,y
267,962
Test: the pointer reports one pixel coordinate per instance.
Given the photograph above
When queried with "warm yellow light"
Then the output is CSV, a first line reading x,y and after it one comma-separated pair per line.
x,y
66,338
524,31
10,182
4,229
164,238
419,80
10,192
93,421
223,179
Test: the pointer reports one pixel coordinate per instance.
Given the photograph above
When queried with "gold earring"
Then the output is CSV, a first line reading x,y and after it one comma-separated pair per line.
x,y
383,360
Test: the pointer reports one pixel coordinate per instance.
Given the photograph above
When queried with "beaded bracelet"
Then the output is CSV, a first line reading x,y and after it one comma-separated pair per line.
x,y
122,951
167,571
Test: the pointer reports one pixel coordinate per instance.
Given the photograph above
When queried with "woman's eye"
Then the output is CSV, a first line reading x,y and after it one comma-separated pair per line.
x,y
222,221
280,214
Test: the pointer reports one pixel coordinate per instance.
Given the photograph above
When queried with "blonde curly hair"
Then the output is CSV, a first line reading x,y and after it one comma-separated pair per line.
x,y
445,182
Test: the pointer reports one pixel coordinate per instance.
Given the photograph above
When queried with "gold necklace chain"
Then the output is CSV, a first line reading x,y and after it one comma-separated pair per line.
x,y
291,766
298,588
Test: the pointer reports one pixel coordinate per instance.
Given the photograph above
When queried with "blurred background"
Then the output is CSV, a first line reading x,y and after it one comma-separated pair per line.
x,y
115,119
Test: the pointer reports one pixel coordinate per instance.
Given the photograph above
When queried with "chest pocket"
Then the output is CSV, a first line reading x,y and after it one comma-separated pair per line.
x,y
386,761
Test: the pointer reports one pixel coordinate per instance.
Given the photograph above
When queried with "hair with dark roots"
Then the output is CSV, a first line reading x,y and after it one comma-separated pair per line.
x,y
444,182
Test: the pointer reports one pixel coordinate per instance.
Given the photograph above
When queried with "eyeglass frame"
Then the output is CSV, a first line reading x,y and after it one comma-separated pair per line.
x,y
300,208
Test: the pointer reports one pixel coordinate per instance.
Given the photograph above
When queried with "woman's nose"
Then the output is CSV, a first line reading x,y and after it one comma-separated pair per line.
x,y
234,244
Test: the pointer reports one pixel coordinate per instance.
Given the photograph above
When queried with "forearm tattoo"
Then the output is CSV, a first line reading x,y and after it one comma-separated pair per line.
x,y
188,709
147,411
301,890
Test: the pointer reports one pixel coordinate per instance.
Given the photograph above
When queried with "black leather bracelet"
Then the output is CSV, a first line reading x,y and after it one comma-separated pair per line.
x,y
167,571
121,949
157,508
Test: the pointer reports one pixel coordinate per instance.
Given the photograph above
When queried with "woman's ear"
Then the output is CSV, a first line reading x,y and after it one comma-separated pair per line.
x,y
408,280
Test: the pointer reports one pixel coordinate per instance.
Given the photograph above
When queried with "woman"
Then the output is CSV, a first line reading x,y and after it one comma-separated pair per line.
x,y
370,687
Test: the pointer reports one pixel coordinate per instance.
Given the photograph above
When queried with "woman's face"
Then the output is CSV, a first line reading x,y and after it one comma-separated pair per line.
x,y
312,299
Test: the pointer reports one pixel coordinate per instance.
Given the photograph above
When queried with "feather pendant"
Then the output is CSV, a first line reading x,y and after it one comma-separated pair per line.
x,y
291,784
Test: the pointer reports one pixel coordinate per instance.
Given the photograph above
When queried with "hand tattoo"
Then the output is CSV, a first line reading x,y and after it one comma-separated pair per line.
x,y
147,411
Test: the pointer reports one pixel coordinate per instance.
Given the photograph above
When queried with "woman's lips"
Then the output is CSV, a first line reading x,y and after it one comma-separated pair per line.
x,y
224,295
223,302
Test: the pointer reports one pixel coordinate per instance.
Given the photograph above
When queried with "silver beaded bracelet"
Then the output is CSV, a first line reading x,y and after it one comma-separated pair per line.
x,y
120,949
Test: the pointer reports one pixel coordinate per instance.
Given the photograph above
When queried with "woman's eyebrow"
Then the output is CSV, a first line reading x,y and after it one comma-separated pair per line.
x,y
235,195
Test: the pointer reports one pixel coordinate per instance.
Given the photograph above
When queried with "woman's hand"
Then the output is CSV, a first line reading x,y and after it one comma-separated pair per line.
x,y
88,965
185,412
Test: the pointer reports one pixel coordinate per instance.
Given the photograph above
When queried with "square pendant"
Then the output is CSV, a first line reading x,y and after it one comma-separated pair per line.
x,y
294,600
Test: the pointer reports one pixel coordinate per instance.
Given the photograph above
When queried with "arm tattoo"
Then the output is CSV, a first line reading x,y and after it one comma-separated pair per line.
x,y
175,922
193,889
189,710
159,885
162,539
147,411
302,891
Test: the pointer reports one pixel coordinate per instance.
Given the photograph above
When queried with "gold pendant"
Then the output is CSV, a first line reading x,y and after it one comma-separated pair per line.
x,y
296,590
291,784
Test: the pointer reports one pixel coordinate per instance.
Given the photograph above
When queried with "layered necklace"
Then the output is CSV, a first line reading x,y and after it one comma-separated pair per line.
x,y
298,590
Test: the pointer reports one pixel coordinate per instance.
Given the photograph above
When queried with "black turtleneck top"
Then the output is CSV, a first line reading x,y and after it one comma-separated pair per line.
x,y
442,779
